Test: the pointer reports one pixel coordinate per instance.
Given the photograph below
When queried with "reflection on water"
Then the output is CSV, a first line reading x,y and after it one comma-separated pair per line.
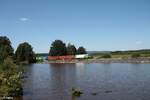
x,y
109,81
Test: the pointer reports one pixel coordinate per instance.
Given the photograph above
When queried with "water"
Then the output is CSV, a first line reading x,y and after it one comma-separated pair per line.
x,y
113,81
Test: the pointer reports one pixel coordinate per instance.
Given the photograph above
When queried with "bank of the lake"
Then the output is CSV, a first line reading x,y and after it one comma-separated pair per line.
x,y
110,60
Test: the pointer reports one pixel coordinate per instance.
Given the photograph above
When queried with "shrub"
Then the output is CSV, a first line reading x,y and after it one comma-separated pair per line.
x,y
106,56
10,79
135,55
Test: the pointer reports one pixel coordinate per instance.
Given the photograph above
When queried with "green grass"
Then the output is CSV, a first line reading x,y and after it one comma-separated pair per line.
x,y
119,56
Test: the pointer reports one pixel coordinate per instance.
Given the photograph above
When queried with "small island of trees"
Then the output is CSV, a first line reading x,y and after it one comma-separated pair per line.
x,y
59,48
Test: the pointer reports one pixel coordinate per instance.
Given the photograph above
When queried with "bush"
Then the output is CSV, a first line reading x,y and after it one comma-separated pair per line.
x,y
135,55
90,57
106,56
10,79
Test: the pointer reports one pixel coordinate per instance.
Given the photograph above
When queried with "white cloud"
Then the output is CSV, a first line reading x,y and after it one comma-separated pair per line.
x,y
139,42
24,19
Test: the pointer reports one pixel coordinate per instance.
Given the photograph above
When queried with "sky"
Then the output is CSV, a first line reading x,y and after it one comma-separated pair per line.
x,y
98,25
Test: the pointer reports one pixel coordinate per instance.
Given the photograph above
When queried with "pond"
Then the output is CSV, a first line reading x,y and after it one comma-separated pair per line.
x,y
114,81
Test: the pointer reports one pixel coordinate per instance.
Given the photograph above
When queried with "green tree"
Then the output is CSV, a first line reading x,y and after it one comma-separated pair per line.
x,y
25,52
58,48
5,48
81,50
71,49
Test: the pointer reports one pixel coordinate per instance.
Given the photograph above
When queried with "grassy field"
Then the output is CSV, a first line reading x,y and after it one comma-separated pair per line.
x,y
122,54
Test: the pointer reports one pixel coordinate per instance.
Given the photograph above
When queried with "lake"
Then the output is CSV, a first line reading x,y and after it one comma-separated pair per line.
x,y
114,81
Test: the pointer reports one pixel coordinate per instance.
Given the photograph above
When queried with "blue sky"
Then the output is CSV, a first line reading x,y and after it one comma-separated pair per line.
x,y
94,24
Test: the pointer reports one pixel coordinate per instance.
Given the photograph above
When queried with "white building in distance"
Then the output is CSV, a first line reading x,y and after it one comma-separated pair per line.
x,y
81,56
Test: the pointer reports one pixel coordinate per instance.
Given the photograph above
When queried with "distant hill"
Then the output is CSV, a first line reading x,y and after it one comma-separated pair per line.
x,y
42,54
142,51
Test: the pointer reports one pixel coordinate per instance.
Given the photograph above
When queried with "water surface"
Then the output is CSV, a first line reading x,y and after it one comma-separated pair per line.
x,y
112,81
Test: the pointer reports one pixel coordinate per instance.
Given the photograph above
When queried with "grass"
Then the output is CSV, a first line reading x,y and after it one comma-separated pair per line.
x,y
119,56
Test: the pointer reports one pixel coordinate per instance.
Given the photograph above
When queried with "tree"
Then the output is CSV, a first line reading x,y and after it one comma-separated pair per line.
x,y
58,48
81,50
71,49
25,52
5,48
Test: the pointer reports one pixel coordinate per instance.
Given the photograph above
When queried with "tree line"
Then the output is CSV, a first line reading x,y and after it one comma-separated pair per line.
x,y
59,48
24,51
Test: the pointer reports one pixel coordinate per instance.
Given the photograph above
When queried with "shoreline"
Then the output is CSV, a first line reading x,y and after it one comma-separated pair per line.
x,y
111,60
